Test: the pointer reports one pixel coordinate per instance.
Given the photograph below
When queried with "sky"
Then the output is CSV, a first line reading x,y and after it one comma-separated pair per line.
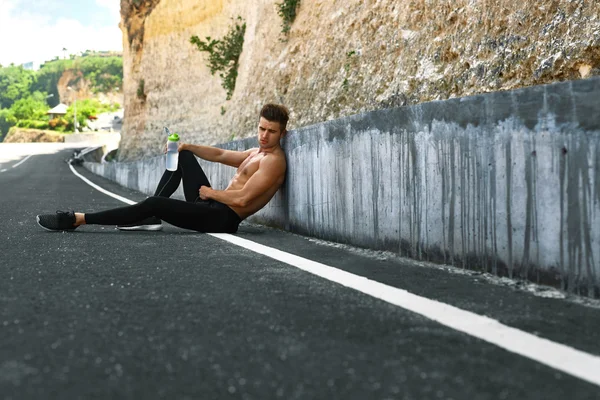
x,y
38,30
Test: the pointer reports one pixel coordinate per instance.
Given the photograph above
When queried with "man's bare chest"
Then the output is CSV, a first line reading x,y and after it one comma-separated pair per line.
x,y
250,165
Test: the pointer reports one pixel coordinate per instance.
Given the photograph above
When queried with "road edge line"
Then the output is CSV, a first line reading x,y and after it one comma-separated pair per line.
x,y
22,161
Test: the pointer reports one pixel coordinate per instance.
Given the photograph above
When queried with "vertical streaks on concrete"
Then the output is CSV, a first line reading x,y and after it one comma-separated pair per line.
x,y
442,171
463,169
400,135
452,211
530,213
375,183
509,231
416,191
578,203
424,212
562,176
493,211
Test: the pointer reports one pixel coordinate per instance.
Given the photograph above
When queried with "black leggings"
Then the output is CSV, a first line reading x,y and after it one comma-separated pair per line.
x,y
193,213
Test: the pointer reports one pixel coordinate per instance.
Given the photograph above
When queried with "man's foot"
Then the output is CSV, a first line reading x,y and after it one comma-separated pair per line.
x,y
148,224
61,221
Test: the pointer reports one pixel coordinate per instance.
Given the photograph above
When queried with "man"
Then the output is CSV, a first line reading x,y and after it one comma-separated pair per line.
x,y
260,173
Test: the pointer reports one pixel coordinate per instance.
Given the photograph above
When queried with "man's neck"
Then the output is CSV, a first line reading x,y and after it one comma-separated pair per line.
x,y
269,150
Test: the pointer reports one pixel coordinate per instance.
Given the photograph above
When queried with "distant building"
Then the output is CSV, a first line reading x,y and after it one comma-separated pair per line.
x,y
58,111
110,53
31,66
102,53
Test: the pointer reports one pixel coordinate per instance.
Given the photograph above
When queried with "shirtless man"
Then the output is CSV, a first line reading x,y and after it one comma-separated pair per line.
x,y
260,173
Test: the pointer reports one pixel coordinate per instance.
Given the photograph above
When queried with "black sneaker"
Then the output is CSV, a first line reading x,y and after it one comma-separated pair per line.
x,y
148,224
61,221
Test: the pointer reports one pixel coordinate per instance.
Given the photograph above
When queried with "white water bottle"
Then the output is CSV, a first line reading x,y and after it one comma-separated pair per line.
x,y
172,152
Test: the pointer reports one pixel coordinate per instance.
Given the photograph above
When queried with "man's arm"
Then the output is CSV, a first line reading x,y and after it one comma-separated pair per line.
x,y
267,176
215,154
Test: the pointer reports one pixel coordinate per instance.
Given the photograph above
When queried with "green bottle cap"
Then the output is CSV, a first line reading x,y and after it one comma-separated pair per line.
x,y
174,137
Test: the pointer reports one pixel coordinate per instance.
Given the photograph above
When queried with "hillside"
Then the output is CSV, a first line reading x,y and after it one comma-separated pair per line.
x,y
91,76
95,82
339,58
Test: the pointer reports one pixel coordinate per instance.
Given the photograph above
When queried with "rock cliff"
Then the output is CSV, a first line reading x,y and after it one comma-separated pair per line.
x,y
81,88
340,57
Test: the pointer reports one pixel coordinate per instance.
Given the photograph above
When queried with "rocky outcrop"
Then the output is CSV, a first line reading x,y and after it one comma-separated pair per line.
x,y
80,88
340,58
23,135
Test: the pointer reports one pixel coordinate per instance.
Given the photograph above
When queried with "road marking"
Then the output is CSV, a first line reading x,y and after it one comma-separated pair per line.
x,y
106,192
22,161
558,356
17,164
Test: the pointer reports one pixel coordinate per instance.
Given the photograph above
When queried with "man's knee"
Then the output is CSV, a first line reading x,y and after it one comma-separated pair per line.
x,y
187,159
152,202
186,154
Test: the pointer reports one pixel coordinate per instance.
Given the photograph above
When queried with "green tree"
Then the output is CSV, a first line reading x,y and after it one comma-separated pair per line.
x,y
32,107
87,108
15,83
7,120
104,73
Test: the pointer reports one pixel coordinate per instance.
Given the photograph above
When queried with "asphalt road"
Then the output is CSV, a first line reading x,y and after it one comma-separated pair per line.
x,y
104,314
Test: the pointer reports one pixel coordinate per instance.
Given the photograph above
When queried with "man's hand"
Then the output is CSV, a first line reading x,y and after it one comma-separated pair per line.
x,y
205,192
181,147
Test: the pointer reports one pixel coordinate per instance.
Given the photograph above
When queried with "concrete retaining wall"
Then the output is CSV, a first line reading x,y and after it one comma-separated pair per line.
x,y
505,182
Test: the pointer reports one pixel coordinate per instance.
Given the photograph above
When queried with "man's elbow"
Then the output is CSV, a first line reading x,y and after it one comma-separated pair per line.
x,y
242,202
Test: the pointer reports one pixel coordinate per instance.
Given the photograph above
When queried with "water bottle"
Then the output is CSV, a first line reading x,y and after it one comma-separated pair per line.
x,y
172,152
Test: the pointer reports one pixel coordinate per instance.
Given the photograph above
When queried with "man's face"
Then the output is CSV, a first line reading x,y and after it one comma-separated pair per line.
x,y
269,133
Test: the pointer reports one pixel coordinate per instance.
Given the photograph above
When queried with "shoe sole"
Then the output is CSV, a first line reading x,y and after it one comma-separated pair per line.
x,y
140,228
37,218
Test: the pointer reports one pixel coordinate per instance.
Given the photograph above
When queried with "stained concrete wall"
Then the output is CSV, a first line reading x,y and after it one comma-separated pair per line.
x,y
505,182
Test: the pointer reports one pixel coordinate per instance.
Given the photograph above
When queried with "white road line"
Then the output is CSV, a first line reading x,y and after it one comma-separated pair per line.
x,y
106,192
558,356
22,161
17,164
564,358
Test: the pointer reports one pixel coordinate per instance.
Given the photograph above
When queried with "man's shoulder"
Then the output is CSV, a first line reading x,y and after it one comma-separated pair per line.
x,y
274,161
275,157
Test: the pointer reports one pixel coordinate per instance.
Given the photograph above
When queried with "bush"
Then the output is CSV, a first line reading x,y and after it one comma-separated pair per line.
x,y
87,109
224,54
32,107
287,12
39,124
32,124
140,90
57,123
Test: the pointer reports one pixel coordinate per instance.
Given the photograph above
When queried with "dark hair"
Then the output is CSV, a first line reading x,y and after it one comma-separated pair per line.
x,y
276,113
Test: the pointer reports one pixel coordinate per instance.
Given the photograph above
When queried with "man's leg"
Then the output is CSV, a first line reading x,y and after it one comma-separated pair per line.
x,y
201,217
193,178
188,170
